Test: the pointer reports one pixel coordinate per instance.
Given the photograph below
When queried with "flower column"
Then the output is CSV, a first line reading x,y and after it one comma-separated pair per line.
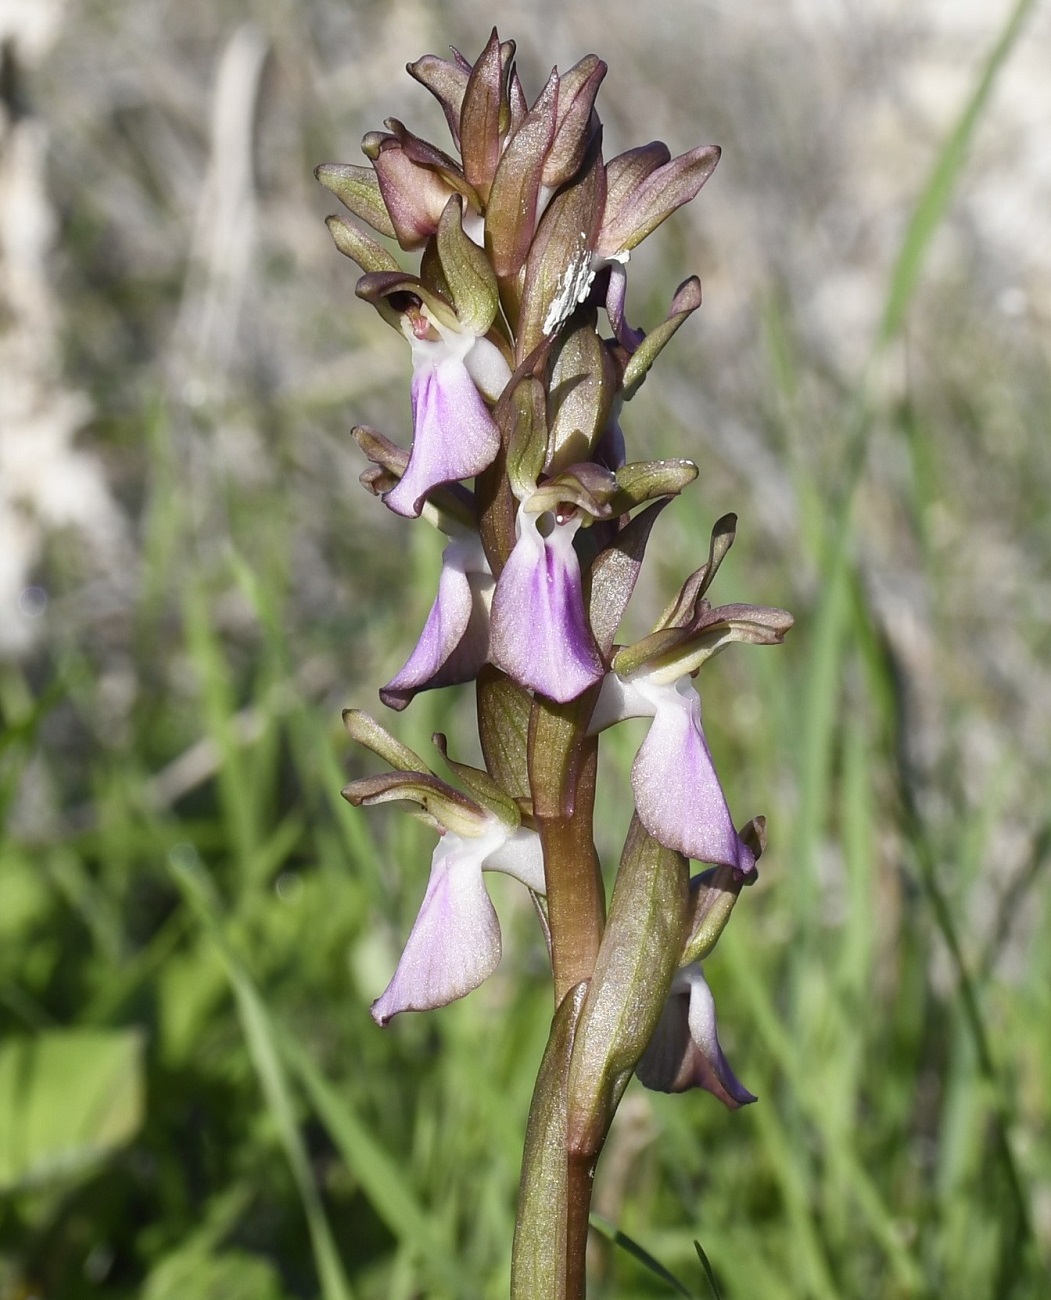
x,y
517,454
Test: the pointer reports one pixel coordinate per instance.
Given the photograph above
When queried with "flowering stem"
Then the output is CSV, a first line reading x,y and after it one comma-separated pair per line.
x,y
525,240
538,1261
550,1248
581,1182
574,900
563,763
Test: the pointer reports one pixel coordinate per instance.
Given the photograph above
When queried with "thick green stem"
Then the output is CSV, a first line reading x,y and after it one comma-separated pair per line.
x,y
575,899
554,1204
563,762
541,1249
580,1184
556,1195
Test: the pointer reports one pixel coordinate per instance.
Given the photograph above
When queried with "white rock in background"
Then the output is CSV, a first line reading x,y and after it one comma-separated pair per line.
x,y
45,483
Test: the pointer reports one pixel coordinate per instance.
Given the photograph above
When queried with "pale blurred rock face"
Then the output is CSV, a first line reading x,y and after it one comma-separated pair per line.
x,y
45,483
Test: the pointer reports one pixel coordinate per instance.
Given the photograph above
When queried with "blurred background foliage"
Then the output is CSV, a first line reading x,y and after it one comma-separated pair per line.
x,y
193,1100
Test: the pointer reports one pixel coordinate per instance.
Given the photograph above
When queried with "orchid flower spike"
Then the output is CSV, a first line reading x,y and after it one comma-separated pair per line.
x,y
525,233
684,1051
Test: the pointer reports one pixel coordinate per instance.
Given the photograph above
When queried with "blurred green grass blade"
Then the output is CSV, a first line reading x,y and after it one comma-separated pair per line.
x,y
260,1038
632,1248
382,1180
789,1160
225,1275
21,717
708,1271
1020,1239
258,1032
209,659
1020,895
817,725
197,1267
278,847
839,1149
89,899
32,710
68,1098
933,202
135,971
314,754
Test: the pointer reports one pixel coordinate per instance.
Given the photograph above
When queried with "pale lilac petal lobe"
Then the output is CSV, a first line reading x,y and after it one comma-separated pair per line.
x,y
453,645
486,365
684,1051
521,856
455,941
677,792
712,1069
454,434
446,624
540,634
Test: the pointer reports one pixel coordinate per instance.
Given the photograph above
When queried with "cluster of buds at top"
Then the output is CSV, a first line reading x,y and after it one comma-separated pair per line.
x,y
524,233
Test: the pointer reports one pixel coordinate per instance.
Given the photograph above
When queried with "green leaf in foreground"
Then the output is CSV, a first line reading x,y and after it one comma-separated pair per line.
x,y
68,1098
229,1275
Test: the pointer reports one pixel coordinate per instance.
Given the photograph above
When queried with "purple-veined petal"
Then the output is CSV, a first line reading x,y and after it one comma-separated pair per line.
x,y
677,793
454,434
684,1051
539,633
455,941
455,640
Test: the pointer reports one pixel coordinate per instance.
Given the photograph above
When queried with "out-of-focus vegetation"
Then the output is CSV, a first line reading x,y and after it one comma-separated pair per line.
x,y
193,1100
